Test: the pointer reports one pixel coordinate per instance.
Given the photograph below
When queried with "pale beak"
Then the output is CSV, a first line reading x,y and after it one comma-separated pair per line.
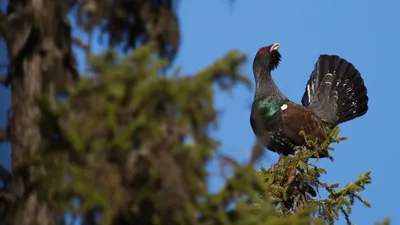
x,y
275,47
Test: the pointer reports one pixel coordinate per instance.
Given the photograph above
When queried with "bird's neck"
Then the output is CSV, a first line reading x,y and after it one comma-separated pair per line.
x,y
266,87
267,94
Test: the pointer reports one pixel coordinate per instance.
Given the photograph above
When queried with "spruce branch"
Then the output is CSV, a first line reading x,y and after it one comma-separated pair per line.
x,y
386,221
290,197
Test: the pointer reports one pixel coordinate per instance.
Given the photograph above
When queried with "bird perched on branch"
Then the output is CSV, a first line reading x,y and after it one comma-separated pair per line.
x,y
335,93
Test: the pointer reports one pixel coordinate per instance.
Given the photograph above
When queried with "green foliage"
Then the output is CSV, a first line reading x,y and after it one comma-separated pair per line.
x,y
129,24
386,221
291,191
133,144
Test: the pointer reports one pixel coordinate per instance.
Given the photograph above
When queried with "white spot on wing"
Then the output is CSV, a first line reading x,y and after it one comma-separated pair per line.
x,y
312,86
283,107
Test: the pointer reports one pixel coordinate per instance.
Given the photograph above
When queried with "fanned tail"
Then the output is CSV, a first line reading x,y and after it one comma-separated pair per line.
x,y
335,91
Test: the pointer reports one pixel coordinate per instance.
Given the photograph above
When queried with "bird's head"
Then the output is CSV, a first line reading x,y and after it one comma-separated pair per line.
x,y
267,58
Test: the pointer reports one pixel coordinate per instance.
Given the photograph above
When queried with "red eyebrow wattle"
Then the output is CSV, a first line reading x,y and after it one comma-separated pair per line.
x,y
261,50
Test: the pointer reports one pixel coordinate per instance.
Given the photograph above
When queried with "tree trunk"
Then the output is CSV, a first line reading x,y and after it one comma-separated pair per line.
x,y
25,139
40,59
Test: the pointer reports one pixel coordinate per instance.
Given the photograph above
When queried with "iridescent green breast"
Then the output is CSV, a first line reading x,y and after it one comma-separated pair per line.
x,y
269,106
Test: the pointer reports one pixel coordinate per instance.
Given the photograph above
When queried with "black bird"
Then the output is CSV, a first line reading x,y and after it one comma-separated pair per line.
x,y
335,93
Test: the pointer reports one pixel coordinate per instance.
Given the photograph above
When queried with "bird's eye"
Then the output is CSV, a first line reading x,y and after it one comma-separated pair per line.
x,y
261,50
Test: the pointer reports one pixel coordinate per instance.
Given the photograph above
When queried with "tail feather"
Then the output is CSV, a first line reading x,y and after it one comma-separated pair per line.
x,y
335,91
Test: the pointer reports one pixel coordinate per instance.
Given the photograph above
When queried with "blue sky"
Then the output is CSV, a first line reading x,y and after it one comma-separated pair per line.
x,y
365,33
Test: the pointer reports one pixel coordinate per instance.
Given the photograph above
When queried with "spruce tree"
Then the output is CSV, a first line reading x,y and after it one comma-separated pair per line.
x,y
129,141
